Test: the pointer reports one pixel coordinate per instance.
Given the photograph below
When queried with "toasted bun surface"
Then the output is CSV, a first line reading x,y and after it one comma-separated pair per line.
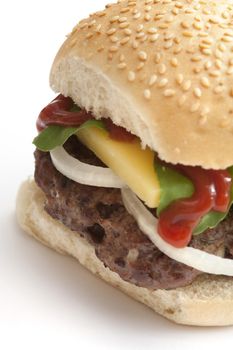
x,y
208,301
161,69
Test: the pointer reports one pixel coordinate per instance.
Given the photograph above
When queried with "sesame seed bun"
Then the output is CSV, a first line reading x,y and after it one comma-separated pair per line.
x,y
163,69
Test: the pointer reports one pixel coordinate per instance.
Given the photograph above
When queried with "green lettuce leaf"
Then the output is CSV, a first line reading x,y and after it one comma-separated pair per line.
x,y
54,136
175,186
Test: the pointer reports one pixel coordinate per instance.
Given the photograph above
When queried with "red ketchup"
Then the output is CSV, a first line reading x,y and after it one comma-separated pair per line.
x,y
58,113
212,192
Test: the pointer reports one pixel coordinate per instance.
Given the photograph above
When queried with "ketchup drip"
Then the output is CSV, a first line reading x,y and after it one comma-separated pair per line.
x,y
58,113
212,192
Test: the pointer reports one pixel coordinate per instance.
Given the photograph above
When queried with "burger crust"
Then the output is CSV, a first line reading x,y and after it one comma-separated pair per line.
x,y
208,301
161,69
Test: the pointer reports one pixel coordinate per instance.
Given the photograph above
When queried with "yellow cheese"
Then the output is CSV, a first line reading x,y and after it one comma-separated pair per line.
x,y
127,159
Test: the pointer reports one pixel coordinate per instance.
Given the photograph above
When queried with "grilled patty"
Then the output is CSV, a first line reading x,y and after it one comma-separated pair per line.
x,y
98,215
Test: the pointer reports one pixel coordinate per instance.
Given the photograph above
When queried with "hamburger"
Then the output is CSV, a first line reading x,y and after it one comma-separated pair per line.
x,y
133,161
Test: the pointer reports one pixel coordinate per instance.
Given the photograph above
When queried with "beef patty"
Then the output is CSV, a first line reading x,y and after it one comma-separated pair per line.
x,y
98,214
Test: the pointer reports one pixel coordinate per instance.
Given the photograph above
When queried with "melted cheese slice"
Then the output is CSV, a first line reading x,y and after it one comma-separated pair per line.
x,y
127,159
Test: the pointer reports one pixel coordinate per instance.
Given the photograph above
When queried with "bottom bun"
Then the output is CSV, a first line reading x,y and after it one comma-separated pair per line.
x,y
208,301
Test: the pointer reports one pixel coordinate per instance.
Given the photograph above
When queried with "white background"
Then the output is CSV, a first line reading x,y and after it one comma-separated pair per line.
x,y
48,301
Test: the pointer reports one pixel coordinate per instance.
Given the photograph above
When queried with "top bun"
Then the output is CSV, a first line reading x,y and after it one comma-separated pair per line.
x,y
163,69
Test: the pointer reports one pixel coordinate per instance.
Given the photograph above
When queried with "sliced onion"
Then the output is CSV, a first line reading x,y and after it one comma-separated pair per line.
x,y
195,258
84,173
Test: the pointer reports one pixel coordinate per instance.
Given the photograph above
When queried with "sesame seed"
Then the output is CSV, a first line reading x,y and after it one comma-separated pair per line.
x,y
140,66
214,73
163,26
111,31
139,28
208,65
197,92
218,64
186,86
197,70
187,33
231,92
122,65
140,35
162,68
128,31
168,44
98,28
206,52
153,80
185,24
225,14
177,50
227,39
125,9
113,48
147,94
197,25
179,79
177,40
123,25
196,58
147,17
135,44
114,19
114,39
142,55
194,107
154,37
122,19
110,56
122,58
175,11
168,36
179,5
202,120
89,35
148,8
101,48
137,15
218,54
222,47
124,40
205,82
207,41
151,30
144,38
182,100
163,82
205,111
218,89
230,71
214,20
174,62
169,92
83,25
157,57
131,76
